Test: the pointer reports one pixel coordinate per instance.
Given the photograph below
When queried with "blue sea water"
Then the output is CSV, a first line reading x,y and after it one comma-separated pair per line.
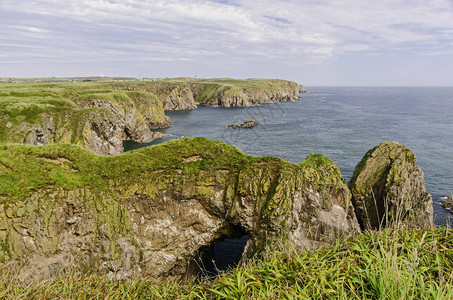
x,y
342,123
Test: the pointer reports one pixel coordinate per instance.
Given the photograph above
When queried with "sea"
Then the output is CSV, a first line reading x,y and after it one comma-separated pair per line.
x,y
342,123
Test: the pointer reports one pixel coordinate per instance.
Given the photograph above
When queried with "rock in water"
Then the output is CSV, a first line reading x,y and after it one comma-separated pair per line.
x,y
246,124
148,214
448,202
388,188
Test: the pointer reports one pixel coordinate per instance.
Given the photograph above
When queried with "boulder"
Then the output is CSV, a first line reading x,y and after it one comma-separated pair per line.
x,y
388,189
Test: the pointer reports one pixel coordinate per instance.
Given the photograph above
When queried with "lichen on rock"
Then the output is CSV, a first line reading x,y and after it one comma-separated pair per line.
x,y
388,189
147,213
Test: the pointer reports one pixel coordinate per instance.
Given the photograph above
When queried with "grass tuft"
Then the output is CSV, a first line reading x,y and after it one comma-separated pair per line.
x,y
389,264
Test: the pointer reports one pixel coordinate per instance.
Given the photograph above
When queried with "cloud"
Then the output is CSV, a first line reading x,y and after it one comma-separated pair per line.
x,y
308,31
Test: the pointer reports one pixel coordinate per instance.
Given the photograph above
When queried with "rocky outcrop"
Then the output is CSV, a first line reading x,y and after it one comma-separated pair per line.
x,y
147,214
246,124
448,202
174,94
180,98
388,189
243,95
96,120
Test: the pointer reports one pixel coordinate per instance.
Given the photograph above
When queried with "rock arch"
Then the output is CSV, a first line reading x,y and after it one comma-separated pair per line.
x,y
147,213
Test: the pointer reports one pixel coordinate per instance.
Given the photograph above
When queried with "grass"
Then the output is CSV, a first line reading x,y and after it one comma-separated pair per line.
x,y
389,264
23,168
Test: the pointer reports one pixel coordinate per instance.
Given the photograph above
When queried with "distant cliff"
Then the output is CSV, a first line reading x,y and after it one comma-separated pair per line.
x,y
89,116
100,115
243,93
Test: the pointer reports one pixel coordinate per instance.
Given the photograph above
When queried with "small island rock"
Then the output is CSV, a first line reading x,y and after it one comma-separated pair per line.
x,y
246,124
448,202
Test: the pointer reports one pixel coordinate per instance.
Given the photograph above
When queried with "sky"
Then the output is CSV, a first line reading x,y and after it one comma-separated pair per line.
x,y
330,42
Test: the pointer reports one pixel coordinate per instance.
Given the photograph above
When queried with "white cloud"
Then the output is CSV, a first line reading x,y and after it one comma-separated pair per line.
x,y
166,30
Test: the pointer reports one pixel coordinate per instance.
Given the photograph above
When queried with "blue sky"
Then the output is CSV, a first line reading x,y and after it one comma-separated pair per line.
x,y
360,42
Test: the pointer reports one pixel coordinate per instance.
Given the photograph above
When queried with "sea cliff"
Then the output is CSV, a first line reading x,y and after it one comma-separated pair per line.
x,y
99,115
147,213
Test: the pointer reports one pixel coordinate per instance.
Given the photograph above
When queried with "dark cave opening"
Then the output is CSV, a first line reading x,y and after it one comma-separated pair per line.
x,y
222,255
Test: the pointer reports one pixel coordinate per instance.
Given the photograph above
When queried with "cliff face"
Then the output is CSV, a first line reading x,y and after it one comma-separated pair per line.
x,y
388,189
95,119
246,93
184,93
99,116
148,213
173,95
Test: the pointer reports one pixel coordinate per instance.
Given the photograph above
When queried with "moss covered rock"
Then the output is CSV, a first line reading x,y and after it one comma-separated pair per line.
x,y
95,117
148,213
388,189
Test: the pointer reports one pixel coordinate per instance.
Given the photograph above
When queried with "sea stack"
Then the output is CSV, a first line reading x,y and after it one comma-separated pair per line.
x,y
388,189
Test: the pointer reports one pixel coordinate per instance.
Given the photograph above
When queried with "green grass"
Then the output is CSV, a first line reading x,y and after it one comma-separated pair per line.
x,y
403,264
25,169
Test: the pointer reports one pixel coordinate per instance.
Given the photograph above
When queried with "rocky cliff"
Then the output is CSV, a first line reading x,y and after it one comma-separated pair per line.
x,y
148,213
235,93
388,189
86,115
99,116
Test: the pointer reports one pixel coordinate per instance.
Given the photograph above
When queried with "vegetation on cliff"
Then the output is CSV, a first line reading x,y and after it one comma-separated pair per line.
x,y
100,115
403,264
387,185
148,212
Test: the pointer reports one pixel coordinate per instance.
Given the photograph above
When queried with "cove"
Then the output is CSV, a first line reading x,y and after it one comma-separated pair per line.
x,y
342,123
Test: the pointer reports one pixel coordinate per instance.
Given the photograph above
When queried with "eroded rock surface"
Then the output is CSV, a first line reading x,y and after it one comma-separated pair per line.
x,y
180,98
388,188
147,214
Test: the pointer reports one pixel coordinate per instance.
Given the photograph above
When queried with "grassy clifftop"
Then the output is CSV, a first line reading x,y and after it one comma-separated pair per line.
x,y
100,115
146,213
94,116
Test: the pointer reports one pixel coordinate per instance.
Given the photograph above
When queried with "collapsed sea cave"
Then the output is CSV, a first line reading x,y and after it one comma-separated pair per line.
x,y
223,254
